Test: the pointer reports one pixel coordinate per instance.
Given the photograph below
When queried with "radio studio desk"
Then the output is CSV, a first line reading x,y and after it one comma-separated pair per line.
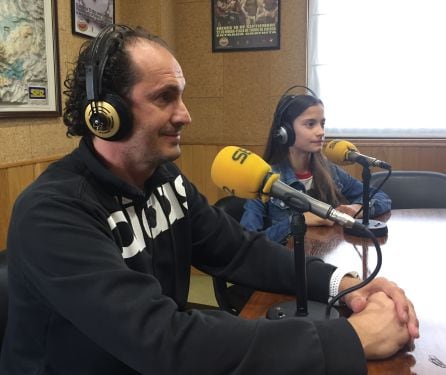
x,y
414,256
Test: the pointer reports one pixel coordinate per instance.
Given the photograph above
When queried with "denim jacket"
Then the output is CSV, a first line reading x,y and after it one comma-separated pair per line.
x,y
277,215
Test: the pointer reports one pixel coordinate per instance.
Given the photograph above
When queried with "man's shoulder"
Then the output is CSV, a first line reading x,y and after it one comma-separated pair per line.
x,y
62,175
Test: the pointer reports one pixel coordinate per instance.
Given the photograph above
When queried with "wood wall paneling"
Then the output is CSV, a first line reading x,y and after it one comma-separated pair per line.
x,y
13,180
4,207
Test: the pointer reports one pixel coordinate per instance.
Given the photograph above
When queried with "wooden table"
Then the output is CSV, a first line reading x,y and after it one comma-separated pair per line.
x,y
414,256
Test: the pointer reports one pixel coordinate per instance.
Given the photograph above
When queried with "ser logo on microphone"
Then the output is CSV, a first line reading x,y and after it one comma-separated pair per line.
x,y
241,155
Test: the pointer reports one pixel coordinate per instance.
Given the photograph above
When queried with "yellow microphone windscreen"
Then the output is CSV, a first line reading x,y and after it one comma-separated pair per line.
x,y
241,172
336,151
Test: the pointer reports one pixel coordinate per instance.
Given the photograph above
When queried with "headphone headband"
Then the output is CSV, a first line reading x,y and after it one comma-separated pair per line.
x,y
301,86
108,39
284,133
285,105
106,114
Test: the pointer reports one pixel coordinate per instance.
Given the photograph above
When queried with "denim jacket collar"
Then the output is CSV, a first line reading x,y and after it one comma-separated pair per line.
x,y
287,174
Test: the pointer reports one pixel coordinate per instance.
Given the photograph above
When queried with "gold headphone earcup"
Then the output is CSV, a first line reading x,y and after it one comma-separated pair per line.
x,y
109,119
102,119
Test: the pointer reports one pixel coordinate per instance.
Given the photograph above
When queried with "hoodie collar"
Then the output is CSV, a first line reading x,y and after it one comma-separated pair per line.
x,y
112,183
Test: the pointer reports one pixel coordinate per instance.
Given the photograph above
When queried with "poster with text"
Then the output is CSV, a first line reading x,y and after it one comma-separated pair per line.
x,y
89,17
245,25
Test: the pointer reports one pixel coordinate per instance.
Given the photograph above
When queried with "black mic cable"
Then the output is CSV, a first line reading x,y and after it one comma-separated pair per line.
x,y
366,280
389,172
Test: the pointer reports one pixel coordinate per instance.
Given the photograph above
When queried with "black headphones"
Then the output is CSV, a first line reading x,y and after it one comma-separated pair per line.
x,y
107,115
284,133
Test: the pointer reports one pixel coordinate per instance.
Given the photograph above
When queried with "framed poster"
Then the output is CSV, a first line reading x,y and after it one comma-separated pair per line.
x,y
245,25
29,74
90,16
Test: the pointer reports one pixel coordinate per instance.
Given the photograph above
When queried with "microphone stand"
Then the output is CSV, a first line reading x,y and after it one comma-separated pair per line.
x,y
302,307
378,228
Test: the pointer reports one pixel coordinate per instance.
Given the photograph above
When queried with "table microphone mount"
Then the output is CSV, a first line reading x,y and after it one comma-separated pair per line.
x,y
301,307
378,228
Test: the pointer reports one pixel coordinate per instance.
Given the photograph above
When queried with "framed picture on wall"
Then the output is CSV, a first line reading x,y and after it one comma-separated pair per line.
x,y
89,17
29,64
239,25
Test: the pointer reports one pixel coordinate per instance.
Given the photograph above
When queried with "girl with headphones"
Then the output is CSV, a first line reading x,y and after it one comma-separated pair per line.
x,y
294,150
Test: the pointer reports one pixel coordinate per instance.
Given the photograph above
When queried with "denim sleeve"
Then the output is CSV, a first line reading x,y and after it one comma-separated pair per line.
x,y
253,219
352,189
380,203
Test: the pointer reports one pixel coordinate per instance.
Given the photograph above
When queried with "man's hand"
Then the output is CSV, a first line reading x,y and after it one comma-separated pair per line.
x,y
359,299
381,332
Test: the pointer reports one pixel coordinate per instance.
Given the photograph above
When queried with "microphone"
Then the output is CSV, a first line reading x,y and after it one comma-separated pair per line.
x,y
343,152
243,173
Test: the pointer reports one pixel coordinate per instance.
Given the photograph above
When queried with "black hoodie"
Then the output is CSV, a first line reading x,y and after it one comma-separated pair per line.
x,y
99,278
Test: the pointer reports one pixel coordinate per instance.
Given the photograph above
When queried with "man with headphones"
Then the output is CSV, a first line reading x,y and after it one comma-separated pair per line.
x,y
100,248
